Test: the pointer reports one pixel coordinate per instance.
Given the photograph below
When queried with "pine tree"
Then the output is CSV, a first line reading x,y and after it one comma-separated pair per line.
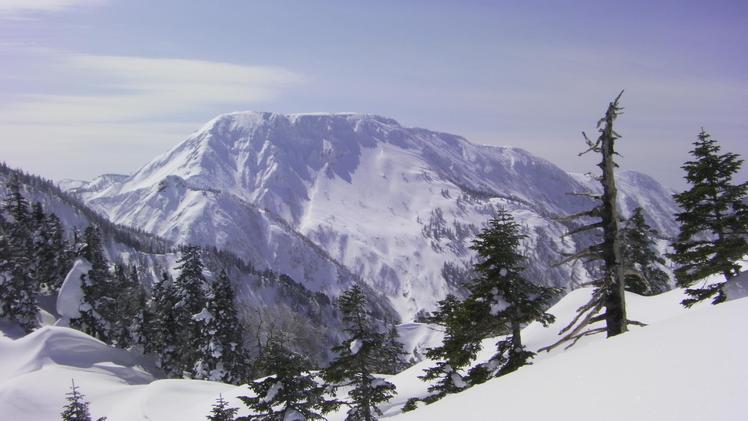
x,y
129,303
163,333
221,355
358,357
99,294
221,411
18,290
505,297
644,275
77,407
16,204
189,289
291,393
463,331
714,221
60,258
137,309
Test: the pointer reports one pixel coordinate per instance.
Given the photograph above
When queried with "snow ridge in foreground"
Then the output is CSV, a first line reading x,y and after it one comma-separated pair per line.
x,y
652,373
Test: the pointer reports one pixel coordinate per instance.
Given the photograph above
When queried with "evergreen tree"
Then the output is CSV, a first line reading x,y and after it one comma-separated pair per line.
x,y
77,407
163,333
221,355
16,204
221,411
714,221
129,304
392,354
99,292
645,276
56,260
291,393
18,287
463,331
137,309
358,357
189,289
504,296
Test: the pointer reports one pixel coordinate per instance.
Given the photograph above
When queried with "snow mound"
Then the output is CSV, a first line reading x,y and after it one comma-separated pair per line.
x,y
70,296
36,371
687,364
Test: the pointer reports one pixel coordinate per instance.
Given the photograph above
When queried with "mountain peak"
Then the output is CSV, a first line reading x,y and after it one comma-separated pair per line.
x,y
249,119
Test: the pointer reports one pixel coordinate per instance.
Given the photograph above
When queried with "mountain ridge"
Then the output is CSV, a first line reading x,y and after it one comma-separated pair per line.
x,y
395,206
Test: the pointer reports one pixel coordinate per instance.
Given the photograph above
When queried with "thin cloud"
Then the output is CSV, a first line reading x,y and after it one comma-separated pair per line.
x,y
108,102
133,88
18,7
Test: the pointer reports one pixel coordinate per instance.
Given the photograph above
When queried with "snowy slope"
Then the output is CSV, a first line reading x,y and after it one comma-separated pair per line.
x,y
686,365
326,198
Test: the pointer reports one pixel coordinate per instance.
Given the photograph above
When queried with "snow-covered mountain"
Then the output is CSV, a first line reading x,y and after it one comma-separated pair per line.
x,y
268,300
326,198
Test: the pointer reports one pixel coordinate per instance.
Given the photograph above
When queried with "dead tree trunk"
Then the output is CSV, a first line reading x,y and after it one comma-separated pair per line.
x,y
615,298
609,292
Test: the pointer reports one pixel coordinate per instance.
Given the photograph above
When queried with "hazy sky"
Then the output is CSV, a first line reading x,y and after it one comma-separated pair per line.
x,y
96,86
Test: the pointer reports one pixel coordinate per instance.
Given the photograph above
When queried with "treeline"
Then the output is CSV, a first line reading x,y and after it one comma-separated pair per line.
x,y
138,239
35,256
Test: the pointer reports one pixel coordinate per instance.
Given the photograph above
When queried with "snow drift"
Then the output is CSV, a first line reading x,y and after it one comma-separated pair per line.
x,y
685,365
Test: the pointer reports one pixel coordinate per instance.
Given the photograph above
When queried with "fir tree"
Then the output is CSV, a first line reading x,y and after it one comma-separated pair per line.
x,y
358,357
77,407
136,309
639,249
190,289
129,304
16,204
291,393
163,333
18,287
463,331
99,295
221,355
55,261
221,411
504,296
714,221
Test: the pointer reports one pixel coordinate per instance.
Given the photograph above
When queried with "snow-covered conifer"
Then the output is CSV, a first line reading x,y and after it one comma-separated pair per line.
x,y
292,392
714,221
359,356
221,355
505,298
99,297
645,275
221,411
76,408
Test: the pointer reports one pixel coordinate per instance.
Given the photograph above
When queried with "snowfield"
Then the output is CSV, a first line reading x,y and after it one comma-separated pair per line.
x,y
685,365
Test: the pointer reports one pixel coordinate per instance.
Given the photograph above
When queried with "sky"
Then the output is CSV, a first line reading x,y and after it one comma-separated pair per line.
x,y
103,86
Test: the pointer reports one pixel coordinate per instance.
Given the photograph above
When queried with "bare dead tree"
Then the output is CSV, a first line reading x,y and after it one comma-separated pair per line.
x,y
608,300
